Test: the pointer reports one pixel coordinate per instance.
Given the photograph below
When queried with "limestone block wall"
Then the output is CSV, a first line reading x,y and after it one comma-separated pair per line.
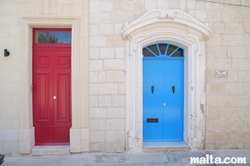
x,y
107,76
227,108
228,98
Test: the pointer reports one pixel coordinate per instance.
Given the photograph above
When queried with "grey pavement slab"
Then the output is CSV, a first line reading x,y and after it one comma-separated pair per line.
x,y
123,159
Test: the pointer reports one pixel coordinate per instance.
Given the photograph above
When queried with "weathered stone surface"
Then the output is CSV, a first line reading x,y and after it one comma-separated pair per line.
x,y
115,76
232,40
215,88
240,100
116,112
93,76
234,28
106,29
114,64
237,52
97,136
115,124
241,64
96,65
105,100
98,113
244,76
215,15
94,53
106,53
97,41
93,101
218,27
234,88
247,88
108,88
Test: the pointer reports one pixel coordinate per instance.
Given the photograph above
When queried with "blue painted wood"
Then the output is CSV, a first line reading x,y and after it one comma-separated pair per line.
x,y
152,107
173,111
163,72
158,48
166,49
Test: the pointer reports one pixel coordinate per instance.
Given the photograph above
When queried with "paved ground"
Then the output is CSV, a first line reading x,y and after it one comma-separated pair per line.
x,y
124,159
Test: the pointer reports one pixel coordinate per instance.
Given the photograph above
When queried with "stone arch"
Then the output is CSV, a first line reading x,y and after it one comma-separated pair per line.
x,y
178,28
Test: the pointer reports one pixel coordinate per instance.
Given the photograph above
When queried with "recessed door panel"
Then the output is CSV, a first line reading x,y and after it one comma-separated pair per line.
x,y
63,98
44,135
62,83
61,136
43,101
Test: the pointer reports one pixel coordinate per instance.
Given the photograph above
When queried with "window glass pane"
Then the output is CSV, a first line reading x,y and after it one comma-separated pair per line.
x,y
162,48
171,48
62,37
154,49
178,53
145,52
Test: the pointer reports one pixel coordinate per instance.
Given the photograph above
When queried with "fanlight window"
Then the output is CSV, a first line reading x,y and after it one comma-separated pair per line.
x,y
162,50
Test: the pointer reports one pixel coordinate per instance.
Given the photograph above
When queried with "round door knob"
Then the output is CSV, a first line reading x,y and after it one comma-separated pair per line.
x,y
54,97
164,104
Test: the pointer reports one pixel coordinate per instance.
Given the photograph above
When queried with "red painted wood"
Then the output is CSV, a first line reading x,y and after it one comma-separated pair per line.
x,y
52,77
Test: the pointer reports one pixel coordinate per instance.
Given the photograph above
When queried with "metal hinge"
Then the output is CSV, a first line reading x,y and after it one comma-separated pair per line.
x,y
31,88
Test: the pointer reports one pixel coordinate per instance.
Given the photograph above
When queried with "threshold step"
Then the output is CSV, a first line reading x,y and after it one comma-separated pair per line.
x,y
49,150
165,147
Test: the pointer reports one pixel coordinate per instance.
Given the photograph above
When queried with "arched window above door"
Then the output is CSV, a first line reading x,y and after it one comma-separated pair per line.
x,y
162,50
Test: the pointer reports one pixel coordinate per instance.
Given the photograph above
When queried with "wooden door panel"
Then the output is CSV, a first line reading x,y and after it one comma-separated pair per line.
x,y
43,60
63,60
61,135
63,106
44,135
42,100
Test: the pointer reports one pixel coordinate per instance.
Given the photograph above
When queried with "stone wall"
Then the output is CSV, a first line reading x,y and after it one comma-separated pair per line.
x,y
228,48
228,100
107,76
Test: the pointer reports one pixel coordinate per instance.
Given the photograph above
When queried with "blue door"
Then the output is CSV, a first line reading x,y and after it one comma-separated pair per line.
x,y
163,70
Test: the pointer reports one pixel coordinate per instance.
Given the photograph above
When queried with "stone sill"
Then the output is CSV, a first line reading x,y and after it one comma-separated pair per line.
x,y
165,147
49,150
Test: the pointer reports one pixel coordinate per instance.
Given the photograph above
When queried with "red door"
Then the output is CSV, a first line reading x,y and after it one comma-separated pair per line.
x,y
51,92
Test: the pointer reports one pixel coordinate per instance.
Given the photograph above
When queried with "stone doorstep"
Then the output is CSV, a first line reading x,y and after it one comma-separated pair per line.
x,y
165,147
49,150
